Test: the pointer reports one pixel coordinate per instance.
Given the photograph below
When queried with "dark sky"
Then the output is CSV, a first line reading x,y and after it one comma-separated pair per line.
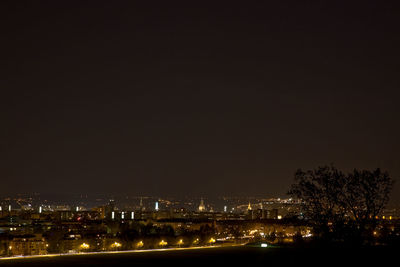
x,y
195,97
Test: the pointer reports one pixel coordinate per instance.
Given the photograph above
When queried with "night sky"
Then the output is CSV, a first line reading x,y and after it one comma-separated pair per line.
x,y
195,97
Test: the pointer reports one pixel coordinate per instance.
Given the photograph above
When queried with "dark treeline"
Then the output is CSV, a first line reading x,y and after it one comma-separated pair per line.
x,y
346,207
127,236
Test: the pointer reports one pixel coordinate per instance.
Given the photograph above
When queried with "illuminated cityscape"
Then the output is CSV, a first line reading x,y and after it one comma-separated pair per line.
x,y
31,225
220,133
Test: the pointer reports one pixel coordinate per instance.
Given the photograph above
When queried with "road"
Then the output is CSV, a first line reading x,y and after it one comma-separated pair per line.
x,y
115,252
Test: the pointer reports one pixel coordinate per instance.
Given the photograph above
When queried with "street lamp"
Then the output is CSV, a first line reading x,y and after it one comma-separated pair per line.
x,y
212,241
140,244
116,245
84,246
163,243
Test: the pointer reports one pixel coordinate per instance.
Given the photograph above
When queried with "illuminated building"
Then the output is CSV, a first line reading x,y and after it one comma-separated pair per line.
x,y
273,214
249,206
66,215
28,246
101,211
202,207
110,210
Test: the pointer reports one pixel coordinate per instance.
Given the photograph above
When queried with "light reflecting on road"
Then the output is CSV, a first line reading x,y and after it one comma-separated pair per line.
x,y
112,252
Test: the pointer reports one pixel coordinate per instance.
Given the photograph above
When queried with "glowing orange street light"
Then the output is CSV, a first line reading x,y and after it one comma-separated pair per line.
x,y
163,243
212,241
116,245
84,246
140,244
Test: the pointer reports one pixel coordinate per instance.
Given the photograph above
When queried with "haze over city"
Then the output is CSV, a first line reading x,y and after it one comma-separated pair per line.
x,y
170,98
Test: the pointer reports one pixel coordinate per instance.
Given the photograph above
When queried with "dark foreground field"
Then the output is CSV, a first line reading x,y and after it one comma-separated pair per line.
x,y
234,256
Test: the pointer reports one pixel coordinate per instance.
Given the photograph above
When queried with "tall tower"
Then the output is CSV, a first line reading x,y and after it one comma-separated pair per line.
x,y
141,204
250,212
249,206
156,206
202,207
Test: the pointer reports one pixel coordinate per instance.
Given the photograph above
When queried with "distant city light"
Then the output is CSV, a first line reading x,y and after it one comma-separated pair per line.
x,y
112,215
156,206
264,245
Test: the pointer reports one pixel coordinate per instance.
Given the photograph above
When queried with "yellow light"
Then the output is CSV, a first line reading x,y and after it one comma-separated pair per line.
x,y
116,245
163,243
140,244
196,241
85,246
383,217
180,242
10,247
252,232
47,245
390,217
212,240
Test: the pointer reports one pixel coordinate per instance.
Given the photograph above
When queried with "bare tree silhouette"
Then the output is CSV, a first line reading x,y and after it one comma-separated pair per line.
x,y
342,206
